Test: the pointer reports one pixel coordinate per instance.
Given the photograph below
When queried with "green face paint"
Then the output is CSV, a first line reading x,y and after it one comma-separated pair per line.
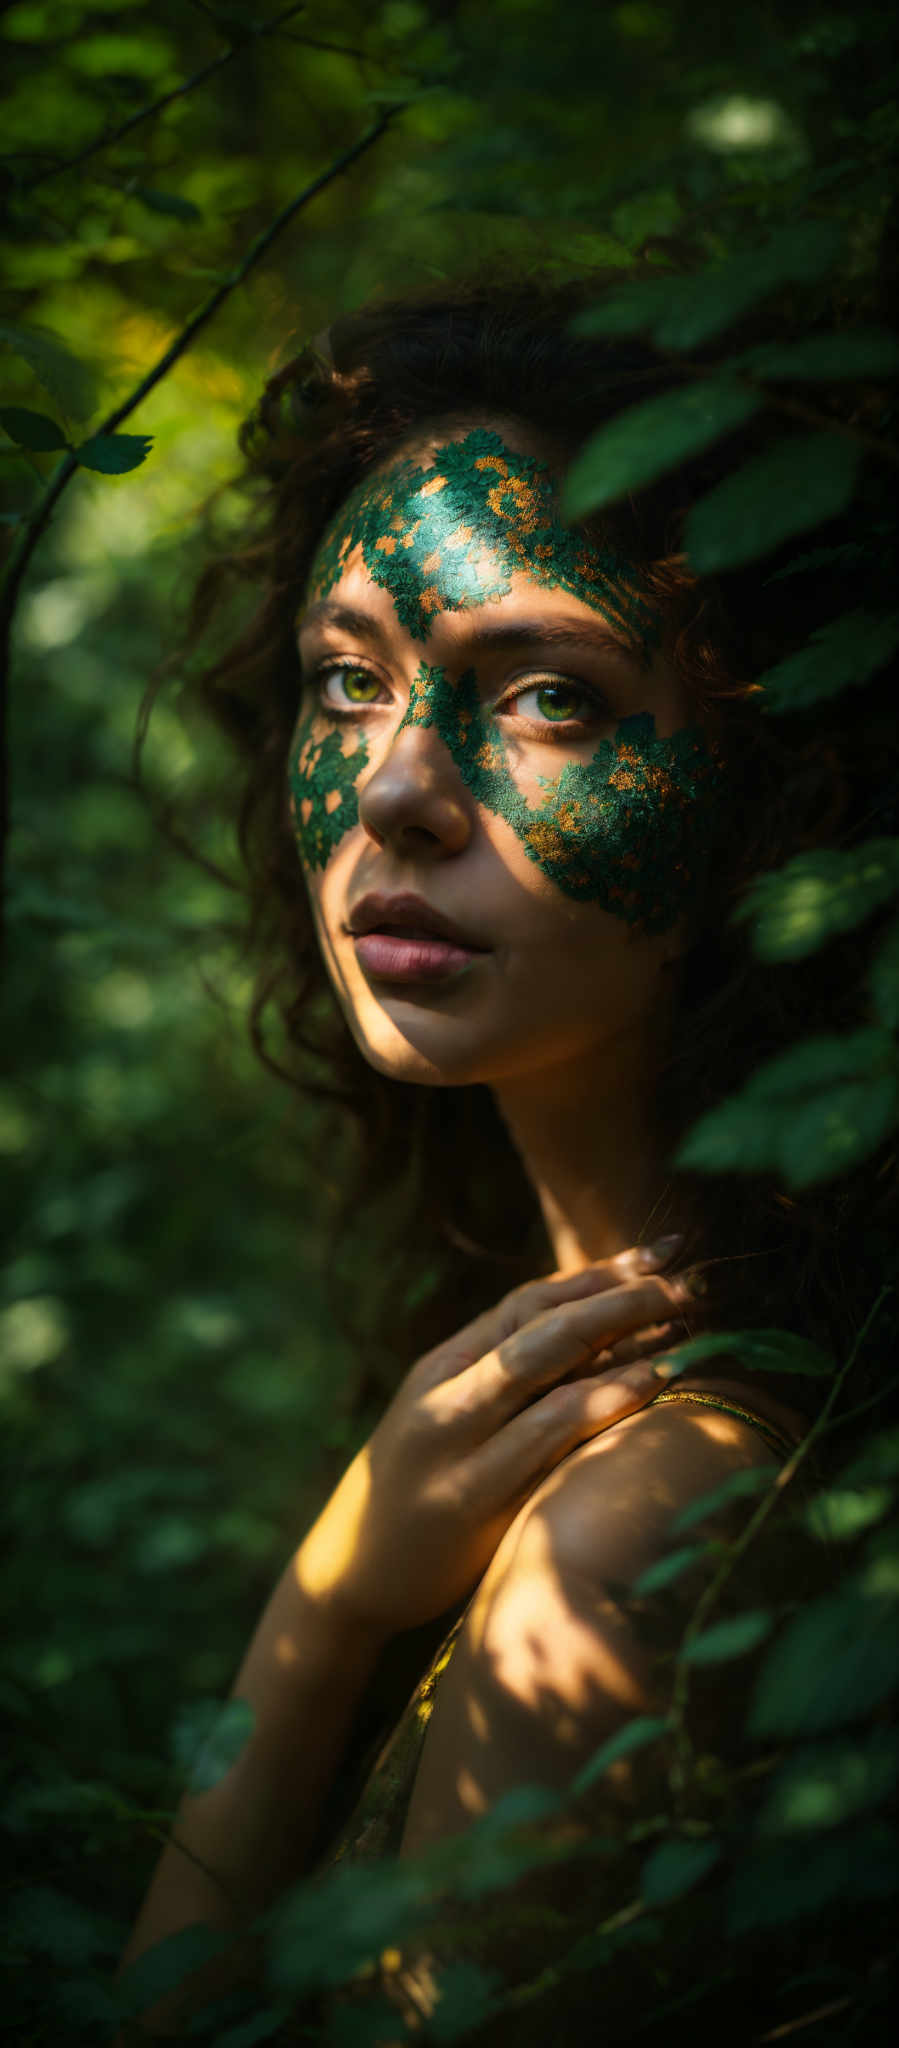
x,y
628,830
451,536
323,800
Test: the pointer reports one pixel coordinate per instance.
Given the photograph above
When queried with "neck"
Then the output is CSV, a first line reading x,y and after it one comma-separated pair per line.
x,y
587,1138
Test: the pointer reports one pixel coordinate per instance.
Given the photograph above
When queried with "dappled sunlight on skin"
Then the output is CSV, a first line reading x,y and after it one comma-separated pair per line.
x,y
555,1653
322,1561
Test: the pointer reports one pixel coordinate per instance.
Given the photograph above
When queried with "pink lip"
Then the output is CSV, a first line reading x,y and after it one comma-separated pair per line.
x,y
390,956
403,938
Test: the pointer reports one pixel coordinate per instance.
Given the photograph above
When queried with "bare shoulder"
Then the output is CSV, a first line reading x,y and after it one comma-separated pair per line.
x,y
548,1662
613,1499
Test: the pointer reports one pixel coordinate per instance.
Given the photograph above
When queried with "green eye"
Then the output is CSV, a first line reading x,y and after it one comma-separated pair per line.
x,y
558,701
349,685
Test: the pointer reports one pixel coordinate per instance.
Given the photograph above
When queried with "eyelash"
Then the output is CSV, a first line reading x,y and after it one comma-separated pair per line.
x,y
562,728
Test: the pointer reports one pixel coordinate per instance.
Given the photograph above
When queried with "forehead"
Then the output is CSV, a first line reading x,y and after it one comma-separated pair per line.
x,y
447,525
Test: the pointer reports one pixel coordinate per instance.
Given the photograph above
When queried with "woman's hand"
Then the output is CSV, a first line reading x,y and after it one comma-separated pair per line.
x,y
474,1427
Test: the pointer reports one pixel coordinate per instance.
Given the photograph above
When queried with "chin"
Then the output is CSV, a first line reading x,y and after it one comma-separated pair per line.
x,y
419,1053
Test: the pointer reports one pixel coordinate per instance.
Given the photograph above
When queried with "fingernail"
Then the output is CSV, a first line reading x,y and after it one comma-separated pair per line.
x,y
659,1252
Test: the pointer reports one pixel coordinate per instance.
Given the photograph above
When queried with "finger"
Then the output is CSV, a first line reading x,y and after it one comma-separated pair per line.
x,y
659,1337
561,1339
491,1329
528,1448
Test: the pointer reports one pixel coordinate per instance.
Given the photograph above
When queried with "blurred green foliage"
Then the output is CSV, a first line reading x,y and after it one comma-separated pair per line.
x,y
170,1375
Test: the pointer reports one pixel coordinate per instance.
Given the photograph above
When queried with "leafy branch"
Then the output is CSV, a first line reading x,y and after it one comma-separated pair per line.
x,y
65,470
736,1549
166,99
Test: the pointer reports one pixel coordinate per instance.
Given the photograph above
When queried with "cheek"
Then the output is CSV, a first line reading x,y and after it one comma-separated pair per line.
x,y
323,801
628,830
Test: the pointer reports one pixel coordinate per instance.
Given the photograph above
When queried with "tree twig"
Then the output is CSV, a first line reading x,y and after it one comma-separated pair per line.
x,y
736,1549
178,92
65,470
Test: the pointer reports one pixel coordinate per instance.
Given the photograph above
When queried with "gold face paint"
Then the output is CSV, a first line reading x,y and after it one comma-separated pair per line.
x,y
450,536
628,830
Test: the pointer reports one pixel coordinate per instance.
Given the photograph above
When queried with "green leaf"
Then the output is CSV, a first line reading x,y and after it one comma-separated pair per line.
x,y
667,1569
785,1880
633,1736
808,1114
466,1997
838,656
114,454
67,380
166,202
32,430
653,437
681,312
844,556
817,895
835,1660
883,980
843,1511
739,1486
830,1783
799,482
43,1922
860,352
731,1638
164,1966
261,2027
207,1739
761,1350
675,1867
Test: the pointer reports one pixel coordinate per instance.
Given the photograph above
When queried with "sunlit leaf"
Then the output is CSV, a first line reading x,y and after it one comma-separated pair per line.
x,y
830,1783
666,1569
166,202
838,656
208,1737
842,1511
883,980
32,430
817,895
114,454
810,1113
675,1867
799,482
67,380
633,1736
681,312
738,1486
761,1350
648,439
836,1659
732,1638
858,352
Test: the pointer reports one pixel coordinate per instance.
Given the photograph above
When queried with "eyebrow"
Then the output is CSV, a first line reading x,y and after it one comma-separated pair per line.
x,y
574,633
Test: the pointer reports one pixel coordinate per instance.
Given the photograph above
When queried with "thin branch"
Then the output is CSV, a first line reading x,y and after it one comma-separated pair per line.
x,y
178,92
65,470
741,1543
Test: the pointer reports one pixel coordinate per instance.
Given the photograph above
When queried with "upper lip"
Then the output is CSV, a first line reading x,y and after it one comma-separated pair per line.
x,y
378,912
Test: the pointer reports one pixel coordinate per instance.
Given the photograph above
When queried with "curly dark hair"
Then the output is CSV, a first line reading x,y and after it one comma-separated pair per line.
x,y
431,1172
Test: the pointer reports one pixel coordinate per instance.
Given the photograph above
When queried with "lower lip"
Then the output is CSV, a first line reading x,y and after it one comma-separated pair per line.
x,y
390,958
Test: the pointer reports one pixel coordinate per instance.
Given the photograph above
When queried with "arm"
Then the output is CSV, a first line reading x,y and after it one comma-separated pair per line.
x,y
407,1532
234,1847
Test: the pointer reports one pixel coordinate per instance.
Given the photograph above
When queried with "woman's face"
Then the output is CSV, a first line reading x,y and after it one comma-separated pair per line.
x,y
500,801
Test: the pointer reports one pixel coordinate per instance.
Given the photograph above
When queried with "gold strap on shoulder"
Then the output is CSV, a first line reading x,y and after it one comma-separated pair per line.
x,y
776,1439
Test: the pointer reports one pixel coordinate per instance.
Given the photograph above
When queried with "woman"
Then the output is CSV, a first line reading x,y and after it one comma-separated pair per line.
x,y
513,789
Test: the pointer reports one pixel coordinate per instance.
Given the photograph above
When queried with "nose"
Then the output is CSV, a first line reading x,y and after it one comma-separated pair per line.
x,y
415,802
